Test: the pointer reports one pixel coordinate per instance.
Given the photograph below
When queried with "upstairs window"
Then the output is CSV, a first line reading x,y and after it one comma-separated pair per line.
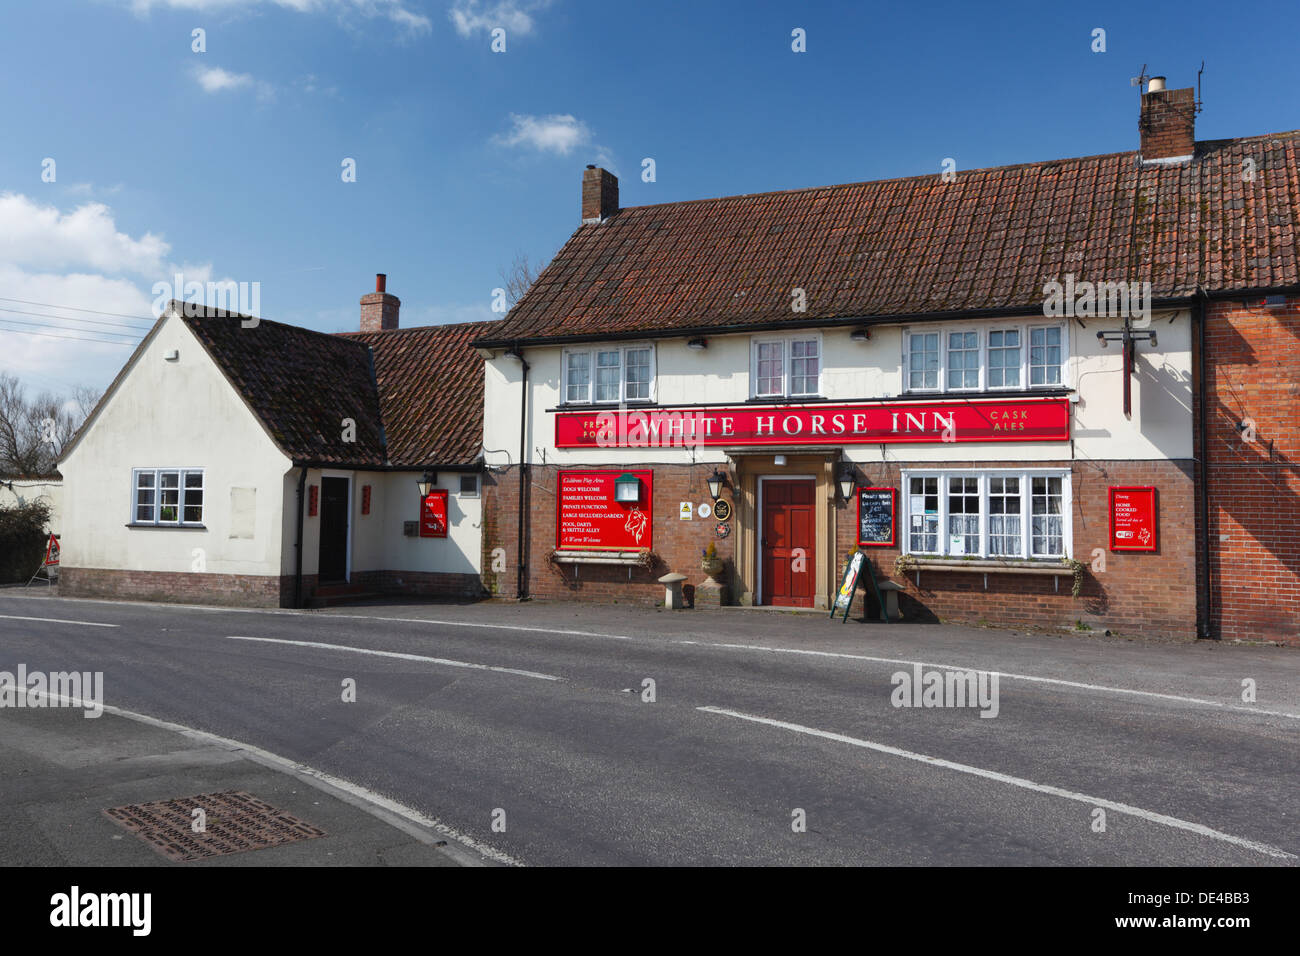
x,y
984,358
786,367
609,375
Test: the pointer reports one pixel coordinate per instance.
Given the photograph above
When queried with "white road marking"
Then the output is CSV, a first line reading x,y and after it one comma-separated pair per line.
x,y
494,627
377,805
1202,701
1124,808
406,657
54,620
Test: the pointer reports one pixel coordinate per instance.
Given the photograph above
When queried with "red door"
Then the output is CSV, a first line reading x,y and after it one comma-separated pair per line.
x,y
787,549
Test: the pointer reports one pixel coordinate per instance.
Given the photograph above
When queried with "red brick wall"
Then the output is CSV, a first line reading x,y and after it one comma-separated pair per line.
x,y
1252,371
1152,594
678,543
185,587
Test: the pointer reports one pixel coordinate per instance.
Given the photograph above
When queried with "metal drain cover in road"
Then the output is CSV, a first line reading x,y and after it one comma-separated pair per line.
x,y
233,821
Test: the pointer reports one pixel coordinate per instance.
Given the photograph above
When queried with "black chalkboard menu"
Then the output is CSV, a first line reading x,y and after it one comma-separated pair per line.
x,y
876,517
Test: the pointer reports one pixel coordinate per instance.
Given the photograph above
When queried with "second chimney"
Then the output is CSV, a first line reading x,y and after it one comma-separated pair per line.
x,y
1168,121
599,194
378,308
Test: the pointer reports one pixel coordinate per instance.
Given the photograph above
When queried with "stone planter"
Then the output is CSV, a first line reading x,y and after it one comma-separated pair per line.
x,y
713,568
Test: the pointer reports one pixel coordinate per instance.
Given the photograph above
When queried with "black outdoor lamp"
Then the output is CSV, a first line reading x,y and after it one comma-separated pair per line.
x,y
848,479
426,483
716,481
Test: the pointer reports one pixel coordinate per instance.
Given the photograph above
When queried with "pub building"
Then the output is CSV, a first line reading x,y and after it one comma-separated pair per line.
x,y
1019,391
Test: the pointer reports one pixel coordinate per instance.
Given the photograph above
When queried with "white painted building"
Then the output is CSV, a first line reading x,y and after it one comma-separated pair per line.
x,y
236,460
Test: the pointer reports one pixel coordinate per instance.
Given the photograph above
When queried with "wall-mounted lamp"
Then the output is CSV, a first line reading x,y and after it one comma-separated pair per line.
x,y
860,335
627,488
779,460
515,354
426,483
698,344
848,480
716,481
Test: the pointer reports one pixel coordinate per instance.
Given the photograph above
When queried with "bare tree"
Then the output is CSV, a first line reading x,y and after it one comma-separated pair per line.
x,y
519,277
34,432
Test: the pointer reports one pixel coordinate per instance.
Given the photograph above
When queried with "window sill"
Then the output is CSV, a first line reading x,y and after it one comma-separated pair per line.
x,y
628,558
168,527
992,566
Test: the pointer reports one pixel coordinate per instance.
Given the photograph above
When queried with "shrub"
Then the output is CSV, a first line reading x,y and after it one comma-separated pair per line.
x,y
22,539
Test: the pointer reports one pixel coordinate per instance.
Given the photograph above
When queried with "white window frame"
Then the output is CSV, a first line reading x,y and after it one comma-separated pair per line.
x,y
1026,476
157,522
982,330
591,354
787,364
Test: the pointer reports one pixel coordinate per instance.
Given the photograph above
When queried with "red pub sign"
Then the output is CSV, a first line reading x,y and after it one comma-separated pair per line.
x,y
590,519
433,514
966,420
1132,518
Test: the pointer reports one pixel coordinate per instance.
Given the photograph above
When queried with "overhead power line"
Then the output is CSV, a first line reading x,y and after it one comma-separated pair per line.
x,y
73,308
55,335
72,318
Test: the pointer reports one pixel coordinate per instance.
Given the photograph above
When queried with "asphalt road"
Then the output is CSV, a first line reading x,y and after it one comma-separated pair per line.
x,y
756,716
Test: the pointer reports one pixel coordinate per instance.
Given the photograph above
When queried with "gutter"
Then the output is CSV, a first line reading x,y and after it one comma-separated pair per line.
x,y
297,544
521,586
1203,470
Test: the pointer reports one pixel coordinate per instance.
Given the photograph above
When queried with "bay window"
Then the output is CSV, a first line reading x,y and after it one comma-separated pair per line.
x,y
996,513
609,375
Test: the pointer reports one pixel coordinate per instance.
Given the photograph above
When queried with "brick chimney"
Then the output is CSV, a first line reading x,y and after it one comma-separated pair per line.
x,y
378,308
599,194
1168,121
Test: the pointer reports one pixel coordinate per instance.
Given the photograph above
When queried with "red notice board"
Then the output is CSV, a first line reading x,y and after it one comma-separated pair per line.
x,y
1133,514
433,514
589,519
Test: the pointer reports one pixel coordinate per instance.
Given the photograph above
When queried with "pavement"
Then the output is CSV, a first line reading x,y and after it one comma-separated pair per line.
x,y
567,734
61,770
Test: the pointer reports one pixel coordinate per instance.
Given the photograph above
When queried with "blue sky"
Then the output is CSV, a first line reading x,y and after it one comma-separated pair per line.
x,y
227,163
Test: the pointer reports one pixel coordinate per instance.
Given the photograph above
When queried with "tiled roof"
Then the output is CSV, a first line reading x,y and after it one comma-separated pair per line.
x,y
989,240
301,385
431,391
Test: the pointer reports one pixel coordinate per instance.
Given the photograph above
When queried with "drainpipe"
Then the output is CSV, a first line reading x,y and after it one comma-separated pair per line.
x,y
1203,486
521,587
297,544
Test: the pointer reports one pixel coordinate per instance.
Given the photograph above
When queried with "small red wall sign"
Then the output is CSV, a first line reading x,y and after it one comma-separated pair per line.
x,y
1133,513
433,514
313,500
589,519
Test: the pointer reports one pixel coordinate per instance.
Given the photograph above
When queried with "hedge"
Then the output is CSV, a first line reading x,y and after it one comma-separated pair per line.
x,y
23,536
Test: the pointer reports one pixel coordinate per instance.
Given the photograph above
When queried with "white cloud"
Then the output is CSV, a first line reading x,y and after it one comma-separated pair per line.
x,y
474,16
40,236
558,133
214,79
55,263
398,12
